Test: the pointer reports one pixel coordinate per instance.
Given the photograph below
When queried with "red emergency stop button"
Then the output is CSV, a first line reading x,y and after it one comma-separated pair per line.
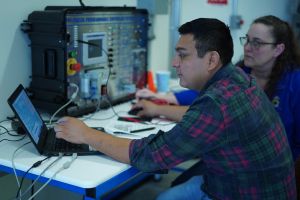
x,y
76,67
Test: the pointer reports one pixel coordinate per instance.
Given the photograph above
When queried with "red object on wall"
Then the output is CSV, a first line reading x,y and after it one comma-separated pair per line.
x,y
224,2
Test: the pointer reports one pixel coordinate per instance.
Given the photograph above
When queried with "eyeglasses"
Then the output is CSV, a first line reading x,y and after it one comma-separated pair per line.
x,y
254,43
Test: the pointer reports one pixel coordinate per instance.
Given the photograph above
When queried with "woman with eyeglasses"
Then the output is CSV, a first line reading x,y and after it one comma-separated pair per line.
x,y
272,56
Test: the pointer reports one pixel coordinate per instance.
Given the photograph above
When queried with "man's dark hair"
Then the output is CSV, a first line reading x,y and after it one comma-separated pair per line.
x,y
210,35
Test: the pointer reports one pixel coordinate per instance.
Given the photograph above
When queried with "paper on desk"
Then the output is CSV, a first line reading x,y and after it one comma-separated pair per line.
x,y
124,127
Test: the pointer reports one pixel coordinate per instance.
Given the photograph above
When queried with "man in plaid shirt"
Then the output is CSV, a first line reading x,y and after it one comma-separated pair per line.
x,y
231,126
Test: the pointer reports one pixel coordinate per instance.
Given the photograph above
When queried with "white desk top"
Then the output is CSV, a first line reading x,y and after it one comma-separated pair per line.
x,y
85,171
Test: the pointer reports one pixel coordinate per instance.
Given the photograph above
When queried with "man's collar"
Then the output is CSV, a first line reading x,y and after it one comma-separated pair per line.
x,y
222,72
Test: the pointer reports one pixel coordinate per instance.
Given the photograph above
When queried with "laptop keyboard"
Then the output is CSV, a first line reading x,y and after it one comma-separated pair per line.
x,y
63,145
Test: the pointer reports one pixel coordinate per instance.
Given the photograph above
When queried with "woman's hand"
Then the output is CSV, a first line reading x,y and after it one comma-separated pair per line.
x,y
145,94
149,109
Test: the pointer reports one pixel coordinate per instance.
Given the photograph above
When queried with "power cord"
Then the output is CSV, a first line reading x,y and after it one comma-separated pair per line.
x,y
73,96
4,120
13,163
36,164
48,167
81,3
5,130
103,92
8,131
104,96
23,136
66,165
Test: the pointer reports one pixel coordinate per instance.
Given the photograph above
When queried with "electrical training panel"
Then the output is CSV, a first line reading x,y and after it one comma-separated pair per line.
x,y
100,50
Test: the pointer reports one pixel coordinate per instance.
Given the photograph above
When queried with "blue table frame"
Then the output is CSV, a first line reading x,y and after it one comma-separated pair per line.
x,y
117,184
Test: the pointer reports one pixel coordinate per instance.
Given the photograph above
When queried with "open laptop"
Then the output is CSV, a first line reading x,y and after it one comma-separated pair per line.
x,y
43,138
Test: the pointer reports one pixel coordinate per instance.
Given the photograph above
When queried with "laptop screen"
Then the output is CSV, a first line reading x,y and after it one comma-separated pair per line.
x,y
28,115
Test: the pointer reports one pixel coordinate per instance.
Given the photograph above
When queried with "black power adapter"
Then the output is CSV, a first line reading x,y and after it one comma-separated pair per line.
x,y
17,126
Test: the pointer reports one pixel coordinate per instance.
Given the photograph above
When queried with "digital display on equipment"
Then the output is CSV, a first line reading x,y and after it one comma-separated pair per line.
x,y
94,48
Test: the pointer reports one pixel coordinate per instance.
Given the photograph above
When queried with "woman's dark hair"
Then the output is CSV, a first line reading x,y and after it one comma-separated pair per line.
x,y
210,35
290,57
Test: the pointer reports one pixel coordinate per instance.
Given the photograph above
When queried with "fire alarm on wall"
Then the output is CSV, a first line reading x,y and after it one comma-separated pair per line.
x,y
224,2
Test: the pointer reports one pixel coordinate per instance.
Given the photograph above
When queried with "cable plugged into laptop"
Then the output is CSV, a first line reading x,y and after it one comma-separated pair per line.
x,y
38,163
73,96
35,165
67,164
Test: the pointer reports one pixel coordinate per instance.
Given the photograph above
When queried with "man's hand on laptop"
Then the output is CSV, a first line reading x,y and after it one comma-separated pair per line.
x,y
72,130
76,131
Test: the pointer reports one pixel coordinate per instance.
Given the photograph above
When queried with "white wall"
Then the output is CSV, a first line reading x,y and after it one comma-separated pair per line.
x,y
15,61
192,9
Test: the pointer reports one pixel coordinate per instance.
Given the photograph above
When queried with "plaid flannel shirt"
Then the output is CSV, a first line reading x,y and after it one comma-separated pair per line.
x,y
237,133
